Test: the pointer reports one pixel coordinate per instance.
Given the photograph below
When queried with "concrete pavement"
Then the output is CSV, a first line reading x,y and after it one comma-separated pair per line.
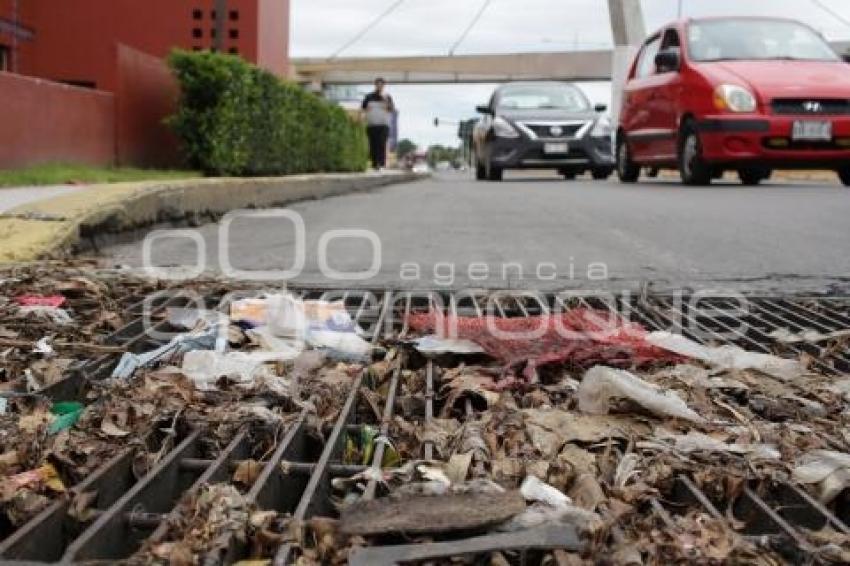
x,y
533,232
18,196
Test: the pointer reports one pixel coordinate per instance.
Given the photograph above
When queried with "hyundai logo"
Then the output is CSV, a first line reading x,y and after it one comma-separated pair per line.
x,y
812,106
556,131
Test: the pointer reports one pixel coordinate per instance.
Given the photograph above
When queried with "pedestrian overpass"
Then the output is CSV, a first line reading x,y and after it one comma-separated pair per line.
x,y
628,29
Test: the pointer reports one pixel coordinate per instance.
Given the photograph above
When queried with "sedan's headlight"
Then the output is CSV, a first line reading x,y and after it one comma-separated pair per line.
x,y
503,129
734,99
602,128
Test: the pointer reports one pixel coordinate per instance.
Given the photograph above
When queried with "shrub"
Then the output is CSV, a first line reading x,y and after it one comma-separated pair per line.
x,y
236,119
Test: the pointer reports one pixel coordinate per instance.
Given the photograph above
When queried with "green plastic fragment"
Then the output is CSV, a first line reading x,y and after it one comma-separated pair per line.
x,y
67,414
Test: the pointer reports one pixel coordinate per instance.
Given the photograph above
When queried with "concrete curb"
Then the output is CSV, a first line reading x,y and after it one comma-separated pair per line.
x,y
56,226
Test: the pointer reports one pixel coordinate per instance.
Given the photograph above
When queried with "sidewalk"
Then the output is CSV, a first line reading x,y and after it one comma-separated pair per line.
x,y
51,221
13,197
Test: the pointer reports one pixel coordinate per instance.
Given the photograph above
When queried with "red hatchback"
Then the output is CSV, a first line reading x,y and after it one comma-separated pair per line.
x,y
744,94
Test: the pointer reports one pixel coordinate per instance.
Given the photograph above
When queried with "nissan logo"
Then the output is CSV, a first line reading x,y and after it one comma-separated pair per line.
x,y
812,106
556,131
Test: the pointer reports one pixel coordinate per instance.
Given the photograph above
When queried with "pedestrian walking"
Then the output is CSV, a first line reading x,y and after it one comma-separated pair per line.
x,y
378,108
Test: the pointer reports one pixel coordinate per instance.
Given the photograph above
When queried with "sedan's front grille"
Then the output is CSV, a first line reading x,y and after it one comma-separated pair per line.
x,y
555,130
811,106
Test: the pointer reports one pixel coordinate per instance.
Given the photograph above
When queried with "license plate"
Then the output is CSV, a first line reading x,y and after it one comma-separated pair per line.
x,y
555,148
811,130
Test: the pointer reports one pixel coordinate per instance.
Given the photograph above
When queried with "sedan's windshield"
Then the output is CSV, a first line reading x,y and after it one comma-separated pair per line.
x,y
754,39
542,97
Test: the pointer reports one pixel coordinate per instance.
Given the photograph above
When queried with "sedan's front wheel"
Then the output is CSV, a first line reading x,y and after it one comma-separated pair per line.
x,y
494,173
480,170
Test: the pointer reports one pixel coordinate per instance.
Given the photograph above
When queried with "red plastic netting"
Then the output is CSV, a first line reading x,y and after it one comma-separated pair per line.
x,y
584,337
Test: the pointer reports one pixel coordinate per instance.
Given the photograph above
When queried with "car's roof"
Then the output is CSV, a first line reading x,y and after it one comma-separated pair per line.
x,y
688,21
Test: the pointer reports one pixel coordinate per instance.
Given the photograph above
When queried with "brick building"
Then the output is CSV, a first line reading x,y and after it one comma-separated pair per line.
x,y
116,47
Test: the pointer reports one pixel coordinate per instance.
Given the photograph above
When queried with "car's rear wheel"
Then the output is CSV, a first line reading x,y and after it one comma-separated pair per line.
x,y
601,174
627,170
567,174
692,167
844,175
752,176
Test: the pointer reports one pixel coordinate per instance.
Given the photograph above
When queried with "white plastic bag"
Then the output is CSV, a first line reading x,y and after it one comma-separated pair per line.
x,y
205,367
728,357
602,384
828,469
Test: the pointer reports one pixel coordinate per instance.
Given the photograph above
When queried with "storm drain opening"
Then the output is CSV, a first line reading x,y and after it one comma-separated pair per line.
x,y
692,428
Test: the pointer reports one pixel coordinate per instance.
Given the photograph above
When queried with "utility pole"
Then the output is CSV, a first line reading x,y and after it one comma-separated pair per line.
x,y
220,18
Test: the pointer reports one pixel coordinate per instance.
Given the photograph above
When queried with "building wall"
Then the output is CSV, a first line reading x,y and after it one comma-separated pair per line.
x,y
44,121
117,46
146,94
273,36
75,39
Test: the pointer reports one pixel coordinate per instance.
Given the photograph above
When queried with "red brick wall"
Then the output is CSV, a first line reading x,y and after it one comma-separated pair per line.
x,y
75,40
44,121
146,93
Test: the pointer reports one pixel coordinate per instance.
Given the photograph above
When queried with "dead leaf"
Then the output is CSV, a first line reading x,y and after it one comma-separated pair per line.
x,y
247,472
111,429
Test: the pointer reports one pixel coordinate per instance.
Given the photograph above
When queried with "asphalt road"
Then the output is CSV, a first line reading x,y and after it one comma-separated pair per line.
x,y
542,232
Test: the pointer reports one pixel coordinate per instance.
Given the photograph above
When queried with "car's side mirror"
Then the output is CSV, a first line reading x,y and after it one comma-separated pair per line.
x,y
600,108
484,109
667,61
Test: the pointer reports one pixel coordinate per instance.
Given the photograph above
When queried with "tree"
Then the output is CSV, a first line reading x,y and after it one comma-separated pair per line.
x,y
405,147
439,153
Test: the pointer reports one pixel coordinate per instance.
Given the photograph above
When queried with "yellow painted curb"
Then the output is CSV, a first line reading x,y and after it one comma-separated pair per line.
x,y
55,226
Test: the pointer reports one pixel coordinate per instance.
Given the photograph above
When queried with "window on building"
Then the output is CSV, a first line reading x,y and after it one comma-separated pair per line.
x,y
5,58
197,33
234,50
234,34
212,15
197,48
234,15
212,33
197,14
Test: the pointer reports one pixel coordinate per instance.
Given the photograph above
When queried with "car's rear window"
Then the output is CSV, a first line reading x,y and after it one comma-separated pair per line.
x,y
756,39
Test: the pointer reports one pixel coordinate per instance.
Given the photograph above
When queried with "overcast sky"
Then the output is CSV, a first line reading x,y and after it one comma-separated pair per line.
x,y
431,27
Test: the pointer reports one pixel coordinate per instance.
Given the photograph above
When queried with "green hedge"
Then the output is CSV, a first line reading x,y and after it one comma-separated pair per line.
x,y
236,119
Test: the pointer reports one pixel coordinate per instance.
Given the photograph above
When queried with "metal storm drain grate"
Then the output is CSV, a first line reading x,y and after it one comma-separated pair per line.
x,y
348,475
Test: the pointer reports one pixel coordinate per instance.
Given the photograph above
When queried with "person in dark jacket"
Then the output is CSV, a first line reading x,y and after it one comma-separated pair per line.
x,y
378,108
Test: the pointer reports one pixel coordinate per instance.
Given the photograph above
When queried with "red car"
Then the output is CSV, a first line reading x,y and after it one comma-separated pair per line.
x,y
744,94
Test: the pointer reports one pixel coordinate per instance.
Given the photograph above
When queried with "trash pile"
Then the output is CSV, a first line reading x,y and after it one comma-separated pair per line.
x,y
663,454
268,428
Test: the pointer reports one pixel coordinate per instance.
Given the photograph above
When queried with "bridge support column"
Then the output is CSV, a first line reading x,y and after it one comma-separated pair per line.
x,y
629,29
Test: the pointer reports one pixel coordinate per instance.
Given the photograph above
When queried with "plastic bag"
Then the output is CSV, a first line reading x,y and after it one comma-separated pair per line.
x,y
321,324
828,469
206,367
728,357
602,384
